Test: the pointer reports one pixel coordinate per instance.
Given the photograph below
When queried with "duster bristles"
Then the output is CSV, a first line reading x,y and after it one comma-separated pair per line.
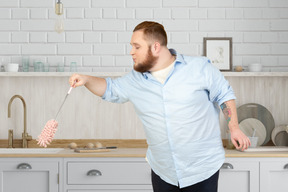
x,y
47,134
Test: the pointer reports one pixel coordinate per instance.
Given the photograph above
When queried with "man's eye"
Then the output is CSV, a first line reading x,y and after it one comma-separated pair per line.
x,y
137,47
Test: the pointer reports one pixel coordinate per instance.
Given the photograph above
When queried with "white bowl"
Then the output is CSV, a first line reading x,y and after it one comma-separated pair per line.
x,y
255,67
12,67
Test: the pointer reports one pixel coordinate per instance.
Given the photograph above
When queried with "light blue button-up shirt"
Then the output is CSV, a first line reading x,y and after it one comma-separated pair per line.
x,y
180,117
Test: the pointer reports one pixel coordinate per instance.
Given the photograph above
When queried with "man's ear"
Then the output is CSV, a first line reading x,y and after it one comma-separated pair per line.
x,y
156,47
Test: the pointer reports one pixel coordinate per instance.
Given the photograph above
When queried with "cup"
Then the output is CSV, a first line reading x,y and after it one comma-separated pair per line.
x,y
12,67
60,67
254,141
38,65
229,142
46,67
73,67
25,63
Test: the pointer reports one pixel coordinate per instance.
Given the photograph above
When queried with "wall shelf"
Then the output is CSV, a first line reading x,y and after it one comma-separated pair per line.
x,y
117,74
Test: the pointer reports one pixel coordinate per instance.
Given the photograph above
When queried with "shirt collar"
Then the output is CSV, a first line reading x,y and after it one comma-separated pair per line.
x,y
179,60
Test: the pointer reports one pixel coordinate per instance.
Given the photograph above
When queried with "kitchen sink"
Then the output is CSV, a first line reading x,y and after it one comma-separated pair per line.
x,y
268,149
30,150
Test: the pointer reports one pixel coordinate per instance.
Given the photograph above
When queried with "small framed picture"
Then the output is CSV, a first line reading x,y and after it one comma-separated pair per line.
x,y
219,51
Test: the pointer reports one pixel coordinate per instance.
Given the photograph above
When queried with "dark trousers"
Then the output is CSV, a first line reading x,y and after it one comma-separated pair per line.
x,y
208,185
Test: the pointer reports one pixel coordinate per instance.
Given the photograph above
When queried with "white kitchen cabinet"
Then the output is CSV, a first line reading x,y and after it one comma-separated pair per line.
x,y
274,175
239,175
109,174
29,175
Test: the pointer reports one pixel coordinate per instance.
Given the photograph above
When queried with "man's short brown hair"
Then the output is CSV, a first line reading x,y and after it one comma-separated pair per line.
x,y
153,31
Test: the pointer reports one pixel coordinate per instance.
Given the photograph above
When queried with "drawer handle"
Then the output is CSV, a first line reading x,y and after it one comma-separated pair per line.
x,y
94,172
227,166
286,166
24,166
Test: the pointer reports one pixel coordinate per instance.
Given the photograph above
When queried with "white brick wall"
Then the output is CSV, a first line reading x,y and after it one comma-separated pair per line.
x,y
97,32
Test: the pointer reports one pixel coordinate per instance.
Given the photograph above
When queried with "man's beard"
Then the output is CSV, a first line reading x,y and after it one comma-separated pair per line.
x,y
147,64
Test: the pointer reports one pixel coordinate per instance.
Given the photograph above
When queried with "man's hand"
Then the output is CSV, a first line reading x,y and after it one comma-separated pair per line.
x,y
239,139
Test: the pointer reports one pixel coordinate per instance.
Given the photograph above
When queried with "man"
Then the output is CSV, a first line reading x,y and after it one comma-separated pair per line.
x,y
177,99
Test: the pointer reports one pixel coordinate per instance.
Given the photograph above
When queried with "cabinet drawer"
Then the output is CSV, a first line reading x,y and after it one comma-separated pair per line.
x,y
97,173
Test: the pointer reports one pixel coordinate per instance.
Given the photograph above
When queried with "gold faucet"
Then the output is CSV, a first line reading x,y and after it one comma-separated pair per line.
x,y
10,138
25,136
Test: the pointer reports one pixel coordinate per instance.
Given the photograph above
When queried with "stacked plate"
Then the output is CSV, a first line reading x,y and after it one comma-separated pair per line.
x,y
255,116
280,136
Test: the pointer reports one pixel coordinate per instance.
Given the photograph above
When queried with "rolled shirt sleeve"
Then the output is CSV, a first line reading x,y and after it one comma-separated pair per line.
x,y
218,87
115,90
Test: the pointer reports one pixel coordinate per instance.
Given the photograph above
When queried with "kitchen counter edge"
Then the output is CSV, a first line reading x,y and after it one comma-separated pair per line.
x,y
137,152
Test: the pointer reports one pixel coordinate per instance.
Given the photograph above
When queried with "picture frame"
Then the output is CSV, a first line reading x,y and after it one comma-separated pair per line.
x,y
219,51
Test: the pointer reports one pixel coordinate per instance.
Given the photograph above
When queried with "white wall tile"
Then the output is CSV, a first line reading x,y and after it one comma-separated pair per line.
x,y
123,61
198,13
93,13
109,13
38,49
269,37
180,37
107,61
108,25
8,25
9,3
9,49
74,37
144,13
92,37
252,25
162,13
146,3
36,3
270,13
38,37
75,13
252,37
108,3
279,49
77,25
125,13
217,13
4,37
36,13
91,61
180,13
283,37
180,25
252,49
249,4
54,37
252,13
281,25
5,13
215,3
180,3
20,37
216,25
124,37
37,25
74,49
76,3
278,3
109,37
20,13
234,13
109,49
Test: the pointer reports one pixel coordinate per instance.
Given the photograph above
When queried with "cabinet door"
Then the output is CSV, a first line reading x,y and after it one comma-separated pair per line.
x,y
113,190
28,176
274,176
239,176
